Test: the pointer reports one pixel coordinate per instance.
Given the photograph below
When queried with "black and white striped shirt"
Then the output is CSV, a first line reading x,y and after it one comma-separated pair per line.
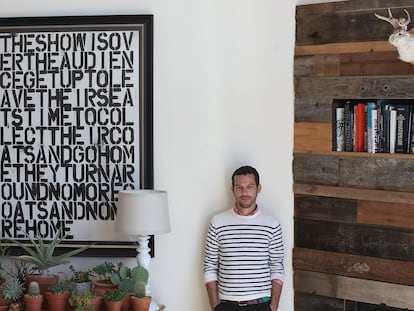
x,y
244,254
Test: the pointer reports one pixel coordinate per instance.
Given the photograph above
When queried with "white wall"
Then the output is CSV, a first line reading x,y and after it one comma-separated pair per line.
x,y
223,97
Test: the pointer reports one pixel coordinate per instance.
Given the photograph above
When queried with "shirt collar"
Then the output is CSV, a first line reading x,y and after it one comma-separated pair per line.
x,y
236,210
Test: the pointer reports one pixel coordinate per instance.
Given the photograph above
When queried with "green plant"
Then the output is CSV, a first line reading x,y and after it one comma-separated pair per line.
x,y
114,295
4,252
79,276
41,254
81,301
61,287
12,289
140,276
104,271
34,289
122,278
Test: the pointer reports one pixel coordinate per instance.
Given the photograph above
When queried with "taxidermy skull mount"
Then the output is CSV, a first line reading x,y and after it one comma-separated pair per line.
x,y
402,39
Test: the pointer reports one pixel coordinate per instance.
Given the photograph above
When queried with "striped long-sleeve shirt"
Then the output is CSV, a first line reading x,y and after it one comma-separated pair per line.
x,y
244,254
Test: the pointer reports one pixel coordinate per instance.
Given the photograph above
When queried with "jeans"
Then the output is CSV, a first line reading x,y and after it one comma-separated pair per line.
x,y
234,307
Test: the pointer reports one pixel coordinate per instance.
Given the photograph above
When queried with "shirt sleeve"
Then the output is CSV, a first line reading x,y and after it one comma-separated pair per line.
x,y
211,256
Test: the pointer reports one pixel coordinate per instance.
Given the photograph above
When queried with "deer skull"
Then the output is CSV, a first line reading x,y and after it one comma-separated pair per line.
x,y
400,38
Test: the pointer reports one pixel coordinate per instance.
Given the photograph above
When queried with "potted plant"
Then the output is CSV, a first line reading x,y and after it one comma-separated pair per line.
x,y
139,300
103,282
114,299
41,255
86,301
57,295
33,299
10,293
4,251
122,277
81,280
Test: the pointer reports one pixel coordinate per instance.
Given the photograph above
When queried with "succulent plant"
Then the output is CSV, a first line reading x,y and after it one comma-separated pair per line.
x,y
34,289
12,290
131,280
140,275
41,254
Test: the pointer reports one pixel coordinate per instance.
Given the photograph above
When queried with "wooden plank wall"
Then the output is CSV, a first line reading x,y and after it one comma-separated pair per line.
x,y
354,212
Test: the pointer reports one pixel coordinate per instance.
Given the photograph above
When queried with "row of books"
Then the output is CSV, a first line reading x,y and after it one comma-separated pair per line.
x,y
375,126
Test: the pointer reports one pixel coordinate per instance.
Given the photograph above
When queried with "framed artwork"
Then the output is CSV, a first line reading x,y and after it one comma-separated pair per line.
x,y
76,125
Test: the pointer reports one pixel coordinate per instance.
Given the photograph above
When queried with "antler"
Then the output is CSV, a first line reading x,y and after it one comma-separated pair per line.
x,y
397,23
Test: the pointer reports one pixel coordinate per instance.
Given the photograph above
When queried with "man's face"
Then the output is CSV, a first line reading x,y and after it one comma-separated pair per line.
x,y
245,191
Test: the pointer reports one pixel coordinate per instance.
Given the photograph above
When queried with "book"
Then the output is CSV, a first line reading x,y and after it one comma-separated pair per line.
x,y
348,126
340,129
372,127
359,122
393,129
402,128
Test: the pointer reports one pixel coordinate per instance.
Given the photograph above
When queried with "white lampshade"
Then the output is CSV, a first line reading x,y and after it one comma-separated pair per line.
x,y
142,212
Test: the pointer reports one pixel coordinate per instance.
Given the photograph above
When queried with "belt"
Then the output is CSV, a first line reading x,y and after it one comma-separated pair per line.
x,y
248,302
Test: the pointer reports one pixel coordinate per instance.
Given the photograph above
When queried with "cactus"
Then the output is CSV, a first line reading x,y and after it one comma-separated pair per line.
x,y
140,276
131,280
34,289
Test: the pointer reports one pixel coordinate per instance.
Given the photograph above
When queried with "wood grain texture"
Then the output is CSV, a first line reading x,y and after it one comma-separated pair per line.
x,y
352,193
385,213
345,26
326,208
357,239
345,47
312,137
373,292
371,268
354,87
358,172
351,64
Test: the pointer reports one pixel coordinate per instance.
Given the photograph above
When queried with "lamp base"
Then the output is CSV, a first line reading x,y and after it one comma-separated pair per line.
x,y
154,306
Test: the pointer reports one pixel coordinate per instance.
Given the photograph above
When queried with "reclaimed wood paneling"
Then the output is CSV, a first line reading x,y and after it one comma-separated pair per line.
x,y
350,26
351,65
354,88
353,211
356,239
325,208
318,169
352,193
387,214
358,172
308,302
346,47
373,292
371,268
312,137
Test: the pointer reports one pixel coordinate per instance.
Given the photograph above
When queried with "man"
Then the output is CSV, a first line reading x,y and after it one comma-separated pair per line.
x,y
243,264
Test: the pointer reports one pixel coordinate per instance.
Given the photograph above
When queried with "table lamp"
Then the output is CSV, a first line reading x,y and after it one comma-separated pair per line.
x,y
142,213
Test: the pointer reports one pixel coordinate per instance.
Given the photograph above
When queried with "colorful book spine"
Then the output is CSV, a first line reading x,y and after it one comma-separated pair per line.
x,y
359,140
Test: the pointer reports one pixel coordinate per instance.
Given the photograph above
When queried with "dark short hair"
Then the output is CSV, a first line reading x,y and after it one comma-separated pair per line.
x,y
245,170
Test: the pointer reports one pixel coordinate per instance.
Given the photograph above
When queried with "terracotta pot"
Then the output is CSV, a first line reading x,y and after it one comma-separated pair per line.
x,y
126,304
56,302
114,305
97,303
33,303
140,304
99,288
44,281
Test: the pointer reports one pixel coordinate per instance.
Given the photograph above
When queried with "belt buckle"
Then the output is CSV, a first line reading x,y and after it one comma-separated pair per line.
x,y
243,304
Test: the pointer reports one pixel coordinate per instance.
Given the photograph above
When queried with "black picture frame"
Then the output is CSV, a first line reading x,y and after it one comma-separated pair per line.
x,y
27,35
